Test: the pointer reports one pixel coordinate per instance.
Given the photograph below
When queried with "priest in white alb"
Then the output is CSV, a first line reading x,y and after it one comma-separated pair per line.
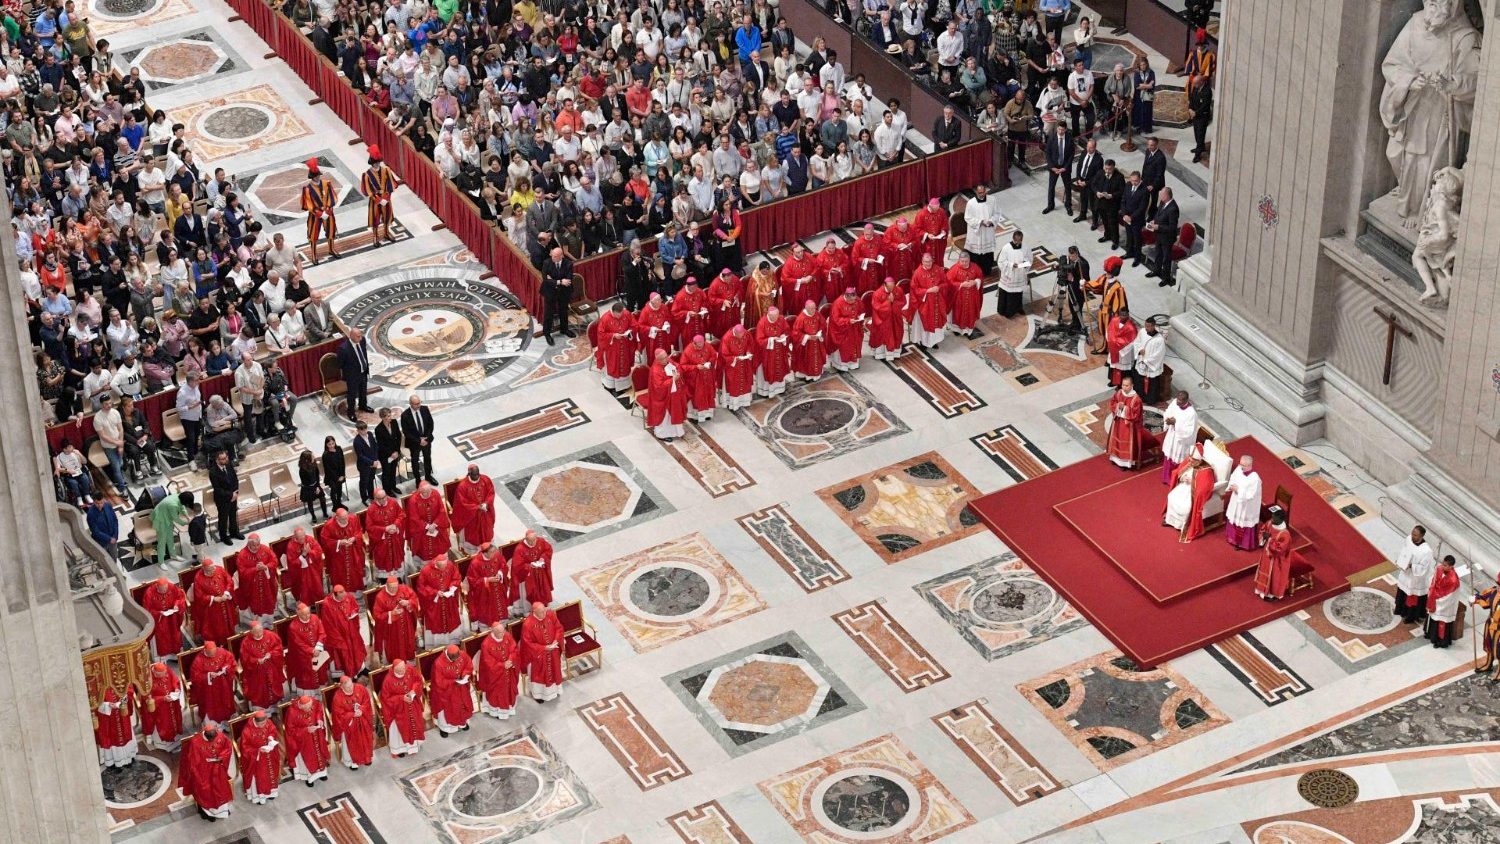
x,y
1180,434
1242,513
1150,361
1414,567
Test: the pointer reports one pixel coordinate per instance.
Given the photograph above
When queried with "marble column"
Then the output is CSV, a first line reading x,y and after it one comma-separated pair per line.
x,y
49,783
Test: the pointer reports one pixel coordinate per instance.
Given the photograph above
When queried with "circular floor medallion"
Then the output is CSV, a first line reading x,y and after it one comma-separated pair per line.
x,y
669,591
124,9
1327,788
495,791
866,804
1363,610
817,417
1014,600
138,783
237,122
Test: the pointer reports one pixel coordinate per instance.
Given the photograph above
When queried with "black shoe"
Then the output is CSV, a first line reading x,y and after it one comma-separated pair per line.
x,y
1163,283
364,408
1103,239
309,784
1078,219
568,332
239,536
1048,210
548,338
1150,273
332,255
1136,262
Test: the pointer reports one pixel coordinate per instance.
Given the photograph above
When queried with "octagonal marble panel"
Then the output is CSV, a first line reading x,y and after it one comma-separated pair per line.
x,y
582,495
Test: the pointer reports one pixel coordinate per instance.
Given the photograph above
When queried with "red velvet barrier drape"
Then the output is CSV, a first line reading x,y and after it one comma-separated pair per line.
x,y
961,168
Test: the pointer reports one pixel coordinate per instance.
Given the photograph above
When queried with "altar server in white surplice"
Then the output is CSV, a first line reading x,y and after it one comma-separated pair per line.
x,y
1181,433
1242,514
1413,576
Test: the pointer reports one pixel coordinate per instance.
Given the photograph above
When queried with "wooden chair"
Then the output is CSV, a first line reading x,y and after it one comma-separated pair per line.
x,y
333,378
640,379
580,639
1300,577
1283,500
581,303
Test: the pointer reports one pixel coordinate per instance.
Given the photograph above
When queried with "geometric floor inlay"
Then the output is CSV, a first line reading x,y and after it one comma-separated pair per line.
x,y
585,494
999,606
906,509
793,548
190,57
885,641
1357,629
996,752
821,420
632,741
240,121
274,192
340,820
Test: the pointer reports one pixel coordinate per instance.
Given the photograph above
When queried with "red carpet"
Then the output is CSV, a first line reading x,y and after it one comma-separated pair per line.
x,y
1147,631
1149,553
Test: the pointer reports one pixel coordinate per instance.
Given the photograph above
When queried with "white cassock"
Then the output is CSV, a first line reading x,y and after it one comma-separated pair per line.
x,y
1015,268
1150,354
1244,499
1414,568
1180,499
1181,434
981,237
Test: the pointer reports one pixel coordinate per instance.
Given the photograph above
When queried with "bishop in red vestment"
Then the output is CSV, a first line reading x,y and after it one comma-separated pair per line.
x,y
1442,603
1273,576
353,719
307,740
214,613
1127,427
304,567
427,525
452,694
204,773
438,586
259,576
846,331
931,221
699,362
799,281
902,243
666,399
965,282
491,591
262,666
726,303
168,607
1119,339
614,355
211,680
809,348
868,257
340,614
260,758
737,358
310,660
835,273
343,541
690,310
161,718
395,611
474,508
542,652
929,303
773,353
499,674
385,529
888,321
402,708
114,728
531,569
655,330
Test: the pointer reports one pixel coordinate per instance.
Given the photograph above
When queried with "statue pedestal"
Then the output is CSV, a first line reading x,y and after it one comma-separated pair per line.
x,y
1388,241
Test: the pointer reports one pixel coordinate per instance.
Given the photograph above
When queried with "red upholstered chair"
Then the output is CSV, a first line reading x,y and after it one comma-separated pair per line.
x,y
593,332
1186,238
580,640
640,379
1300,577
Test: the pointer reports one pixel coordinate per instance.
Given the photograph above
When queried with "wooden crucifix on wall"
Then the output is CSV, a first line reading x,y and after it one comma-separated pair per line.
x,y
1393,326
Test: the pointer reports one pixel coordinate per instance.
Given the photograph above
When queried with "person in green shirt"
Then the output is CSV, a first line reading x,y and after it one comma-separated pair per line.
x,y
12,29
167,517
446,8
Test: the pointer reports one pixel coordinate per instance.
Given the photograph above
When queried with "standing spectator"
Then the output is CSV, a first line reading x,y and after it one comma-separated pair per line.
x,y
225,482
1201,112
557,293
354,362
416,430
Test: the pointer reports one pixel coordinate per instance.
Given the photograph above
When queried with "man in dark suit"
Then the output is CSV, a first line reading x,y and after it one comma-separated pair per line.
x,y
1153,173
1072,274
884,32
366,460
190,229
1201,111
1108,188
797,174
416,429
354,361
388,449
947,132
1133,213
1059,150
1164,224
757,72
225,483
1090,164
557,292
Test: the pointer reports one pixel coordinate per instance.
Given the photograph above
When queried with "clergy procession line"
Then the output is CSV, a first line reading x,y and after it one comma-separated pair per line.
x,y
472,622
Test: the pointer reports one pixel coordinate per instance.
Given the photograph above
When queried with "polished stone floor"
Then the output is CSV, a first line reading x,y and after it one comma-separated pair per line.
x,y
807,636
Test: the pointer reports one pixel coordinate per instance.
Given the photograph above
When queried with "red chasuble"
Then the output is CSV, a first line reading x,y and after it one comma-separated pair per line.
x,y
799,284
396,623
1274,574
204,774
262,669
427,525
726,296
616,351
868,257
499,682
437,587
543,664
531,566
344,546
307,737
834,271
116,729
888,319
737,358
773,350
396,711
304,637
655,330
932,224
700,372
490,590
690,313
452,694
1127,433
345,642
387,547
809,350
211,681
846,329
354,723
666,396
474,509
902,243
259,580
168,609
260,757
1120,334
927,301
162,715
304,570
965,295
214,613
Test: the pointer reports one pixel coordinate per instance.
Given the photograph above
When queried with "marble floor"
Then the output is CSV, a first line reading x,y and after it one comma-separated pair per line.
x,y
806,634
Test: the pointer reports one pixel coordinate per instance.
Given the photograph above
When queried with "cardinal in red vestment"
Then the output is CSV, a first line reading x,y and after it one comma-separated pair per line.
x,y
737,359
799,281
260,758
931,221
211,681
402,710
214,613
427,525
846,331
353,719
699,362
259,576
262,666
726,303
690,309
307,740
1201,479
809,348
452,695
666,399
395,612
204,772
309,661
965,282
1273,576
929,304
304,567
438,587
773,354
615,353
385,531
1127,427
531,570
168,607
343,541
654,328
114,728
902,243
868,257
542,652
888,321
474,508
161,718
491,591
340,614
1119,339
499,674
834,270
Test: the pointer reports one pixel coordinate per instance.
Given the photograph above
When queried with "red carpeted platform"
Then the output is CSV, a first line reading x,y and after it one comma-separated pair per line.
x,y
1150,553
1146,630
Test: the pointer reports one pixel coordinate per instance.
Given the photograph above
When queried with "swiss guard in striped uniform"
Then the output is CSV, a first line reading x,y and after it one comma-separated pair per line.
x,y
319,200
378,183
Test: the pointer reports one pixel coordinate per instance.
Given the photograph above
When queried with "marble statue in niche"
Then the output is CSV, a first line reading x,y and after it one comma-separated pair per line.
x,y
1431,73
1437,236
